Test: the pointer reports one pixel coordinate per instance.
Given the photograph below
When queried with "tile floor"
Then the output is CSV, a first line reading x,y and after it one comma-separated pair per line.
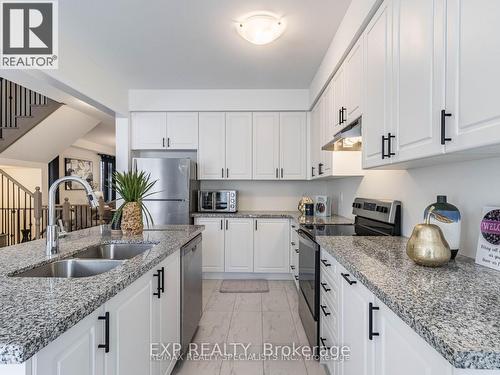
x,y
250,318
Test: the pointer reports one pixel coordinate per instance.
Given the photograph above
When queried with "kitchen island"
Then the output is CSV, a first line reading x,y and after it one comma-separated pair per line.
x,y
35,311
455,309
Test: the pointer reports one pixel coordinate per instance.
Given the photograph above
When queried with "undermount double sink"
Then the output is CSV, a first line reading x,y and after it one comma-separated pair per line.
x,y
91,261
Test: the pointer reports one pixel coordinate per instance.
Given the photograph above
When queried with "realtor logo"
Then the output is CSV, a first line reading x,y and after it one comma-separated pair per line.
x,y
29,35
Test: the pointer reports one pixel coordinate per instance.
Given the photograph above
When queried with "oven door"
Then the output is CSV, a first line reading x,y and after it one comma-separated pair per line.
x,y
309,271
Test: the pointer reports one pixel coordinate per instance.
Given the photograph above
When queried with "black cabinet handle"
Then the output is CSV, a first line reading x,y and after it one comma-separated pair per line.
x,y
444,139
389,137
296,277
227,224
277,173
222,173
221,225
320,169
325,262
323,308
346,278
227,172
323,342
371,309
342,118
292,267
105,346
158,284
293,226
168,142
297,251
163,142
162,279
325,288
292,243
256,225
312,171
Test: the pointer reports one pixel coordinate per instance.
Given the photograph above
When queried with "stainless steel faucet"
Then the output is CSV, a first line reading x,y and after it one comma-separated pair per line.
x,y
52,227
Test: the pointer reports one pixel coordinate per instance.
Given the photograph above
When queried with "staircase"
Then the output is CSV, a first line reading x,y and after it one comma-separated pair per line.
x,y
21,109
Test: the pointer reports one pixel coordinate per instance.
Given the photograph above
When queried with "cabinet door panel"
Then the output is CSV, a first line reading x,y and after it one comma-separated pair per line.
x,y
212,146
399,350
293,145
315,139
266,143
239,245
325,159
377,96
75,352
354,81
473,58
418,77
148,130
182,130
239,146
131,313
339,102
213,244
272,248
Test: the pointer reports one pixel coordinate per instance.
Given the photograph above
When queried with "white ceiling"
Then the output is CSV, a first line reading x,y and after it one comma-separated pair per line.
x,y
184,44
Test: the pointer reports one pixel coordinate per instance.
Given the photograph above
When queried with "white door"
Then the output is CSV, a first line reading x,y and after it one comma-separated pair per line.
x,y
182,130
354,81
169,307
315,141
239,245
399,350
239,145
76,351
212,146
213,244
266,144
339,102
377,96
272,245
148,130
473,58
293,152
131,331
325,163
419,59
354,316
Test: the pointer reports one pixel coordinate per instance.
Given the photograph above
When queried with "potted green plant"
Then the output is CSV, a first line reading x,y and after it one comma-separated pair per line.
x,y
133,187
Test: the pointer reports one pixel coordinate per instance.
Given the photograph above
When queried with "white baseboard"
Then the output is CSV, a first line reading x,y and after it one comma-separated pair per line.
x,y
249,275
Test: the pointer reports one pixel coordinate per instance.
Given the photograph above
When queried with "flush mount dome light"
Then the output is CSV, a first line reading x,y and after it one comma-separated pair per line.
x,y
261,28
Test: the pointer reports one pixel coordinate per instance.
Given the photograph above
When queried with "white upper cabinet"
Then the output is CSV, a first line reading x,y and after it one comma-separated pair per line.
x,y
316,138
266,143
239,247
354,82
331,116
272,246
293,153
473,80
339,102
377,121
239,145
418,66
148,130
212,146
325,157
182,130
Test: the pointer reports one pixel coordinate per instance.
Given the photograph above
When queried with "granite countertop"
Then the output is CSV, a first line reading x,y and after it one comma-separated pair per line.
x,y
295,215
454,308
35,311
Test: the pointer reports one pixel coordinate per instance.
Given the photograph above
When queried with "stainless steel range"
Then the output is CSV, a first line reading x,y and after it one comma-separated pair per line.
x,y
372,218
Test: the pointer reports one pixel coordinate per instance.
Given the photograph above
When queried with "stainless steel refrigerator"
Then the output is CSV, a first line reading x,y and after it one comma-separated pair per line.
x,y
175,192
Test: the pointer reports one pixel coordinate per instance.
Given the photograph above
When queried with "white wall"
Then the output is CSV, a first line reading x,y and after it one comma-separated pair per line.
x,y
78,196
218,100
469,185
269,195
30,178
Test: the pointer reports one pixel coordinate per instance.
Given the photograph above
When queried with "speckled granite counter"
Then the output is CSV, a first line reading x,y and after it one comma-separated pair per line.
x,y
35,311
456,308
295,215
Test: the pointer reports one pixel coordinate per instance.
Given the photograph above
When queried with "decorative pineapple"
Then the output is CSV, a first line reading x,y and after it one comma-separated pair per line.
x,y
133,188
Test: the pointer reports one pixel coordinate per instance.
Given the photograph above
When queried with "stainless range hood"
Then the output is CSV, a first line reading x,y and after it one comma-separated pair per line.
x,y
348,139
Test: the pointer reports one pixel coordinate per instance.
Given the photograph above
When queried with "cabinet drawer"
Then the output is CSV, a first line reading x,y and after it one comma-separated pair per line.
x,y
328,314
328,265
329,289
328,339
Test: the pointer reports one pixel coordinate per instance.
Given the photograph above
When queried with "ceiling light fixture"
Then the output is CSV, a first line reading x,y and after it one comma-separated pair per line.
x,y
261,28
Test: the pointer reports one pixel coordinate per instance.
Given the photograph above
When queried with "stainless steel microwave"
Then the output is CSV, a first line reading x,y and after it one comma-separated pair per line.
x,y
217,201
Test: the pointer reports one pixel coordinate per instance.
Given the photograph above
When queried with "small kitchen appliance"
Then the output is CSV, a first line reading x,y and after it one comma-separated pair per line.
x,y
322,206
372,218
217,201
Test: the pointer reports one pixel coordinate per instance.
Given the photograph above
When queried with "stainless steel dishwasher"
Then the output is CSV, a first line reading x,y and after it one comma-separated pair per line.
x,y
191,290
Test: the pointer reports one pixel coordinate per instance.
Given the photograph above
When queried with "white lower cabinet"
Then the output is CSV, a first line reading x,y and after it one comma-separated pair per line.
x,y
239,245
135,318
380,342
272,245
213,244
76,351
